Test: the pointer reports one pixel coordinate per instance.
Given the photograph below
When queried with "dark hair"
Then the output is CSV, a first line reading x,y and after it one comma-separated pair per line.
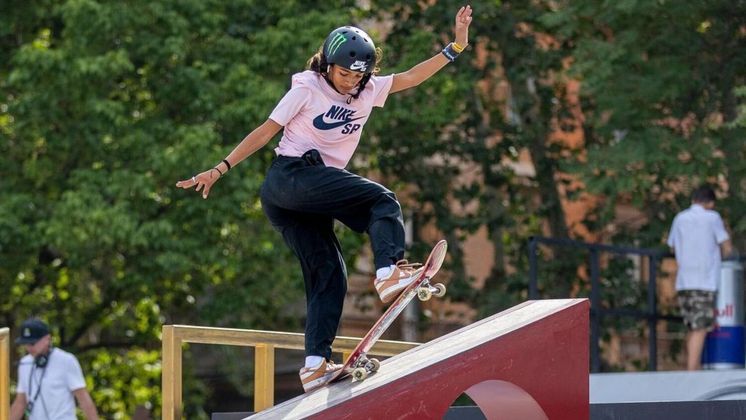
x,y
318,64
703,194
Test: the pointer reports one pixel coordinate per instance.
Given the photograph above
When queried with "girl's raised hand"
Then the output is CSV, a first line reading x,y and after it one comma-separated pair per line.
x,y
461,29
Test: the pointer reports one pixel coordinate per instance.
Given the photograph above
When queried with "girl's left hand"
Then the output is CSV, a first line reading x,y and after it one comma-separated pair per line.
x,y
461,29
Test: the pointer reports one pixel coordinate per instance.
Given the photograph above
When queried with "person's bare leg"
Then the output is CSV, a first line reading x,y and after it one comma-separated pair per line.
x,y
695,341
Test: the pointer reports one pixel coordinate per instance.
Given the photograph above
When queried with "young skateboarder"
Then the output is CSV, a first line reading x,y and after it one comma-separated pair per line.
x,y
307,186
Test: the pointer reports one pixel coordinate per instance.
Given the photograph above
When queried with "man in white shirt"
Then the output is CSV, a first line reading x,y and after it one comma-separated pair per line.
x,y
48,378
697,238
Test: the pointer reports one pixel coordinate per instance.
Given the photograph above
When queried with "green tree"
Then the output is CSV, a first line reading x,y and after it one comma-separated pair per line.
x,y
659,86
106,104
476,116
658,93
659,109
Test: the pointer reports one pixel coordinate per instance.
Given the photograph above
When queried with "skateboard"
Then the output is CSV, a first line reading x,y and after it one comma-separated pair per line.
x,y
358,364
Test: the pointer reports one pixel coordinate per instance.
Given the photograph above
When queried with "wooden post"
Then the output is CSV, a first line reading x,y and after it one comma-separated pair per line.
x,y
264,376
171,374
4,373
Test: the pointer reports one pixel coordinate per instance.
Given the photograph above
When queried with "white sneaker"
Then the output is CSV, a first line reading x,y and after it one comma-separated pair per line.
x,y
401,276
316,376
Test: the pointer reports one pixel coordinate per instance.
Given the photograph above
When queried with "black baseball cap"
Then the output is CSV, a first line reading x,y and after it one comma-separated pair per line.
x,y
32,330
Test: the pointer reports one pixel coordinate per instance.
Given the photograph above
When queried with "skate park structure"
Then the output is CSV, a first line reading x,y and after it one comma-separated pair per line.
x,y
529,361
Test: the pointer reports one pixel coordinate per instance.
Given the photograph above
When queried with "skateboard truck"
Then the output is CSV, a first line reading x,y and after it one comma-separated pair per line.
x,y
364,367
427,290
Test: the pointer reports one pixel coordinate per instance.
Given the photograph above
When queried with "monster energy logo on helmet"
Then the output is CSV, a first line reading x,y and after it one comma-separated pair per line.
x,y
336,42
351,48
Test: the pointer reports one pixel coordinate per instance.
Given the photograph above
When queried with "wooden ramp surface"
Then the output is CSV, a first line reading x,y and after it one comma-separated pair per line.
x,y
530,362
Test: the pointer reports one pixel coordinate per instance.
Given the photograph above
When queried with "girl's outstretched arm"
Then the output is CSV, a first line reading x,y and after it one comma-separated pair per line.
x,y
250,144
429,67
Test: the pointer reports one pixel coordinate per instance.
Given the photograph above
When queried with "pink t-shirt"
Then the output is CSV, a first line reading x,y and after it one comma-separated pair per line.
x,y
316,116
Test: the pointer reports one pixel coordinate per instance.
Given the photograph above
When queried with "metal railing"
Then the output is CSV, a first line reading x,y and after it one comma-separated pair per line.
x,y
650,314
4,373
264,343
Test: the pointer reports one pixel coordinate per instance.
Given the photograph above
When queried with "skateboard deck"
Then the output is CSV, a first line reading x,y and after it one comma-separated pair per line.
x,y
358,365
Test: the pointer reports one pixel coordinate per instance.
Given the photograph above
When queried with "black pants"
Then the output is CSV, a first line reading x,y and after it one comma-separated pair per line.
x,y
302,197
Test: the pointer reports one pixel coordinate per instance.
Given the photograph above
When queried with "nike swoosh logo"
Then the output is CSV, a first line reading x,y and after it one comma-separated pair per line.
x,y
358,66
319,123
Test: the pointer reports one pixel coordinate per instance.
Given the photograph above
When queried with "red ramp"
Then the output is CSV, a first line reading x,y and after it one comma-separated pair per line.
x,y
528,362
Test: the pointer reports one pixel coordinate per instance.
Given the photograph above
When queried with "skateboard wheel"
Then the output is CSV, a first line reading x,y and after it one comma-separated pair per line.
x,y
359,374
373,365
424,294
440,290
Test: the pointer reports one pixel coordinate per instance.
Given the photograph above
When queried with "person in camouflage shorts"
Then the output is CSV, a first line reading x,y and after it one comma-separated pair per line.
x,y
698,308
699,239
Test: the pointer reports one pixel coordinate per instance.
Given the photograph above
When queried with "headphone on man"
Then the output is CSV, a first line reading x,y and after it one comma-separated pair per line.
x,y
41,361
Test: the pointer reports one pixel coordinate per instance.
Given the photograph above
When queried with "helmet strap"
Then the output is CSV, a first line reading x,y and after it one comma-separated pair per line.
x,y
361,85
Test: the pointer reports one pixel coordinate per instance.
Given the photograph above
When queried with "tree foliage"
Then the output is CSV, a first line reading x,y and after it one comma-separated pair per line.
x,y
657,110
659,84
105,104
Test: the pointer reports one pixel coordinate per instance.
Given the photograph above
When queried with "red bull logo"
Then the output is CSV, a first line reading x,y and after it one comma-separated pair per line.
x,y
728,312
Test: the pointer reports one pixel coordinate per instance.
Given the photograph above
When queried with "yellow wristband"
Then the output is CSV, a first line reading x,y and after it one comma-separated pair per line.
x,y
458,48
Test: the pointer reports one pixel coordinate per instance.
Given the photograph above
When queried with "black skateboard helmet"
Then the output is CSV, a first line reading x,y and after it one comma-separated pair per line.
x,y
351,48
